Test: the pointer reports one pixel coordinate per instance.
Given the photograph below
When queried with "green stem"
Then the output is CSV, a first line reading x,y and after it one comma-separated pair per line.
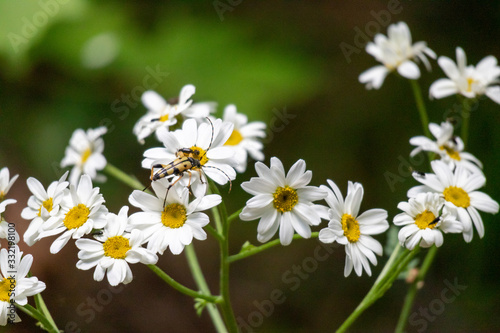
x,y
201,283
213,233
247,253
42,307
466,113
417,92
123,177
183,289
380,286
225,305
389,262
234,215
36,314
412,292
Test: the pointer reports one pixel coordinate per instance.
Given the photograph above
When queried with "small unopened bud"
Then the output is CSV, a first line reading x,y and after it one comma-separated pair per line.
x,y
412,275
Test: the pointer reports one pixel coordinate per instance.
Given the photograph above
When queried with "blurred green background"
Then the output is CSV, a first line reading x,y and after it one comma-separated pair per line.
x,y
67,64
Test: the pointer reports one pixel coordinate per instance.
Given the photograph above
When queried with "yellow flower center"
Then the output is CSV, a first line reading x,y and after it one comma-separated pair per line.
x,y
163,118
457,196
174,216
47,204
116,247
470,82
6,287
451,152
86,154
76,217
200,154
285,198
351,228
424,220
234,139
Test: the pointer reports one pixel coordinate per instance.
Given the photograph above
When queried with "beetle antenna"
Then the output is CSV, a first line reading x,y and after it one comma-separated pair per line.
x,y
212,138
225,174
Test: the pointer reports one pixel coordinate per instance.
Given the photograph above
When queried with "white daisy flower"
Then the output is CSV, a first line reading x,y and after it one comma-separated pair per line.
x,y
458,188
283,201
43,205
468,81
161,114
173,221
5,182
13,281
5,203
395,52
348,228
85,153
447,146
244,138
82,210
114,251
424,219
5,228
207,140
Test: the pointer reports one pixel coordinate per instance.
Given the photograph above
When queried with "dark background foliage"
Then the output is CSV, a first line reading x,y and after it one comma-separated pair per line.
x,y
67,64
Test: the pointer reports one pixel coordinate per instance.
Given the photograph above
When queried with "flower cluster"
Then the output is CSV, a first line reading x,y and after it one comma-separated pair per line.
x,y
285,202
171,217
448,200
396,52
15,286
198,150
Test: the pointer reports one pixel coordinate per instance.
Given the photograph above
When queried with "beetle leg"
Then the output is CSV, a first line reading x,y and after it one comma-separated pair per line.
x,y
168,189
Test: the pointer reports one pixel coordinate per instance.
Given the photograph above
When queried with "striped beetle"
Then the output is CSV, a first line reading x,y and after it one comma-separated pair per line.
x,y
187,159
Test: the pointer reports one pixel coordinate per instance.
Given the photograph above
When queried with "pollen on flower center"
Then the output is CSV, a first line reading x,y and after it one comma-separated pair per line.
x,y
76,216
199,154
86,154
285,198
351,228
234,139
47,204
174,216
470,82
457,196
116,247
164,118
451,152
424,220
6,287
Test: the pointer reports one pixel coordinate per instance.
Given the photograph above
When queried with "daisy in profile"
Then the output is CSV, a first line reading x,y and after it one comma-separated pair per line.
x,y
458,187
447,146
206,142
5,182
354,230
43,205
469,81
14,268
283,201
114,251
5,203
395,52
170,221
161,114
424,220
244,138
85,154
5,228
82,210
